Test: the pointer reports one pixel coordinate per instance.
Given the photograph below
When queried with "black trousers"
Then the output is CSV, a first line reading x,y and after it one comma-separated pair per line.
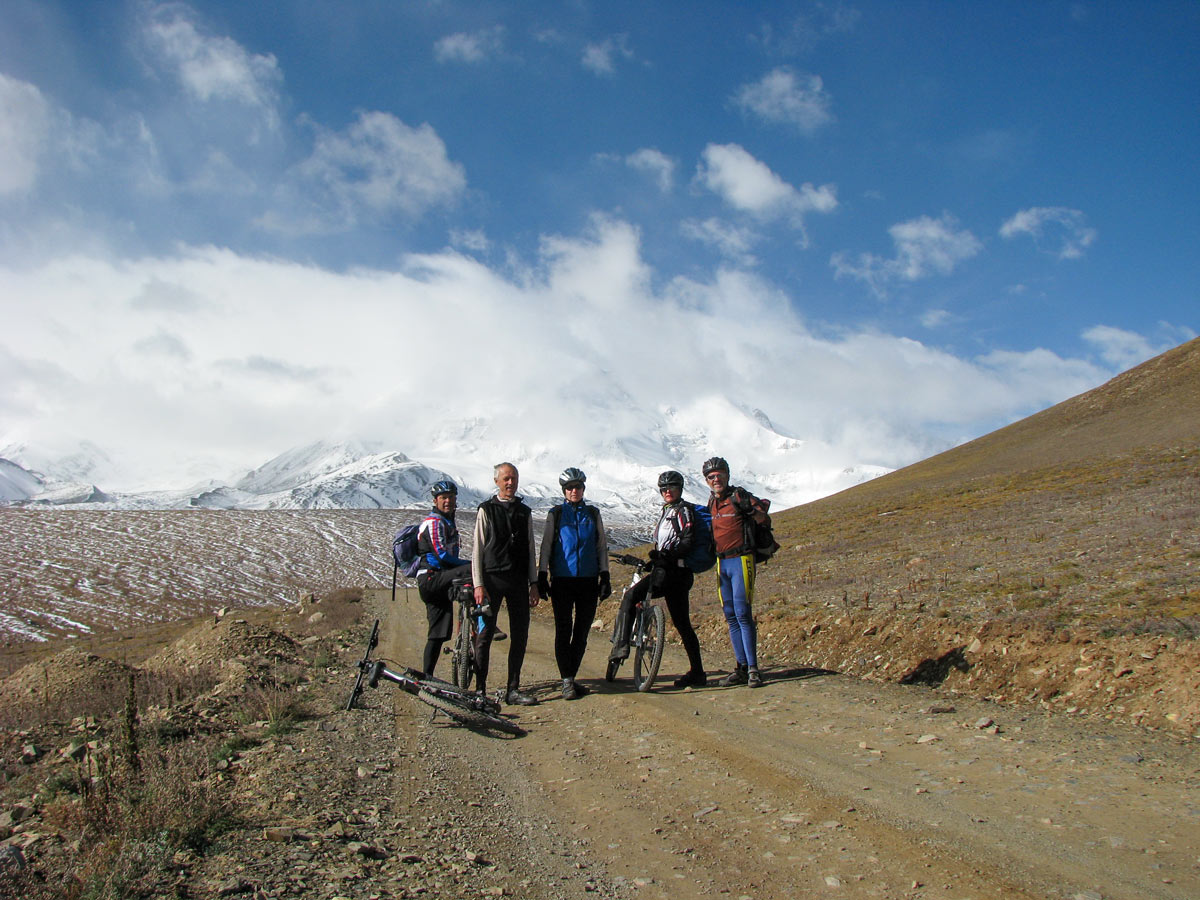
x,y
574,601
675,588
437,592
503,587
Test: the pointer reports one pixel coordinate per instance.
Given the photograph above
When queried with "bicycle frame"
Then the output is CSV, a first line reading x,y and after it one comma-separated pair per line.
x,y
467,707
648,632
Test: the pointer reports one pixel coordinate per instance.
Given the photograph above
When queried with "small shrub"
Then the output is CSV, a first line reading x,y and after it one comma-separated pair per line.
x,y
275,704
62,782
231,746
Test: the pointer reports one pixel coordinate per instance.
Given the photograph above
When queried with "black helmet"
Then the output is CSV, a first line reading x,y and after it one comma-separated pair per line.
x,y
444,487
715,464
571,475
670,478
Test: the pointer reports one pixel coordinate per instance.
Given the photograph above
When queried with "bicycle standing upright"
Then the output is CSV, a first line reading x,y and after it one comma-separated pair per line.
x,y
468,623
649,630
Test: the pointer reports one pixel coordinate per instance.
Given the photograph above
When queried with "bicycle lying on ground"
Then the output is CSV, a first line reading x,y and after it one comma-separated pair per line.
x,y
466,707
649,630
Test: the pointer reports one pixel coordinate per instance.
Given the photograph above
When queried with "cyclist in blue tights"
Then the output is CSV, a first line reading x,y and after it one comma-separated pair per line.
x,y
733,513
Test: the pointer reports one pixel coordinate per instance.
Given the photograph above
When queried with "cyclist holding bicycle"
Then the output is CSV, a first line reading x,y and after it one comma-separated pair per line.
x,y
670,579
437,540
573,573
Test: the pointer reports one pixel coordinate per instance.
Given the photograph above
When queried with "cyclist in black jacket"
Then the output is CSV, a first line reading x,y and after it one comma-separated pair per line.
x,y
505,570
670,579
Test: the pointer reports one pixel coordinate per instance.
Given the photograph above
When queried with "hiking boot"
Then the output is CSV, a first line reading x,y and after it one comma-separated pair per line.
x,y
581,690
753,678
514,697
499,636
569,691
737,676
691,679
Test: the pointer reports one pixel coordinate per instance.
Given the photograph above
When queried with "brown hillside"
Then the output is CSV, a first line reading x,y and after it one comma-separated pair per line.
x,y
1054,560
1156,404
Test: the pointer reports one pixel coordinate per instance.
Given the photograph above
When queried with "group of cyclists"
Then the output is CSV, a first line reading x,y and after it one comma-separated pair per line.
x,y
572,572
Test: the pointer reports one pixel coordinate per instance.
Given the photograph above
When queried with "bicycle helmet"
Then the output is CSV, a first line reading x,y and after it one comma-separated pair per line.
x,y
444,487
571,475
715,464
670,478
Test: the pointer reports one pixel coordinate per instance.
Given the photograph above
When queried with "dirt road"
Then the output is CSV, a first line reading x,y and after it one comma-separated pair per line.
x,y
816,785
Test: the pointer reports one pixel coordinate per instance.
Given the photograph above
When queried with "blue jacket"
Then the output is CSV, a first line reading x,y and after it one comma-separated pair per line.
x,y
438,540
575,553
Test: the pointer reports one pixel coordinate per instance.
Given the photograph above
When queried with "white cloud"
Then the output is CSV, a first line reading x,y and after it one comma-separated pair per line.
x,y
275,354
378,167
163,343
473,47
212,68
731,241
654,163
809,28
470,239
24,126
935,318
924,247
1123,349
1064,230
750,186
784,97
598,58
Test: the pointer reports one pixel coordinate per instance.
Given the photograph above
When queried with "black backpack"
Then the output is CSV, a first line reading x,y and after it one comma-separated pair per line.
x,y
759,537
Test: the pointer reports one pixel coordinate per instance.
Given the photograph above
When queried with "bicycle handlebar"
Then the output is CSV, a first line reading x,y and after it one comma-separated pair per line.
x,y
628,559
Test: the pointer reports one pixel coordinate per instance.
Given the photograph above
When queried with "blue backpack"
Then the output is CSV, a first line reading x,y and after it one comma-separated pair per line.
x,y
703,555
405,552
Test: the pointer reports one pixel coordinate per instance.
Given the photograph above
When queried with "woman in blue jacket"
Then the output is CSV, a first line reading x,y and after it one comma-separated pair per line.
x,y
573,573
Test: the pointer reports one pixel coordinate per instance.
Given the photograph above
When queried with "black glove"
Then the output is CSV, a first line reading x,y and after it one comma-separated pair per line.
x,y
543,585
605,586
655,556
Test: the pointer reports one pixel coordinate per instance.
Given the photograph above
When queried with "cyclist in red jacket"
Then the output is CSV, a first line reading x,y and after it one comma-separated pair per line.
x,y
733,513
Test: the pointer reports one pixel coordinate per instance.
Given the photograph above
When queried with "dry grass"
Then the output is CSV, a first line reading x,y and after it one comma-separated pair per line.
x,y
125,796
129,822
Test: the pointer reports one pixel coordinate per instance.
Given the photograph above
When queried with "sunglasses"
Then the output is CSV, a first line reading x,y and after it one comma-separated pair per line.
x,y
574,486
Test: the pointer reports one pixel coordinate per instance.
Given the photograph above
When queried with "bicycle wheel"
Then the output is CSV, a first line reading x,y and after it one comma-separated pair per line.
x,y
463,651
468,715
648,656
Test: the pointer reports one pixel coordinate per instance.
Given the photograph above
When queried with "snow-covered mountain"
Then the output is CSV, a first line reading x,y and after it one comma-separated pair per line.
x,y
17,484
622,467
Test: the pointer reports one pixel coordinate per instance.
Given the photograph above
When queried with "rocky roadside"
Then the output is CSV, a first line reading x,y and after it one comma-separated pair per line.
x,y
388,801
814,783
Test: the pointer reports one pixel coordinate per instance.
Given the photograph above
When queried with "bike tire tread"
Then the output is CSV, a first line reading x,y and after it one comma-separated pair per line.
x,y
469,716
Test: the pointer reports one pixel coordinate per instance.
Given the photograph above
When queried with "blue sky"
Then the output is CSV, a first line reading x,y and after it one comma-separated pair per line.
x,y
226,229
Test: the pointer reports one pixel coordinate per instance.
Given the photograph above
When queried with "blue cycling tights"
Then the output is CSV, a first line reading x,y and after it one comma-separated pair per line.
x,y
736,579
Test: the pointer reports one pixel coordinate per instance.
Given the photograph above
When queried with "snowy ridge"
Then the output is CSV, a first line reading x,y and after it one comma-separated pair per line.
x,y
622,468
